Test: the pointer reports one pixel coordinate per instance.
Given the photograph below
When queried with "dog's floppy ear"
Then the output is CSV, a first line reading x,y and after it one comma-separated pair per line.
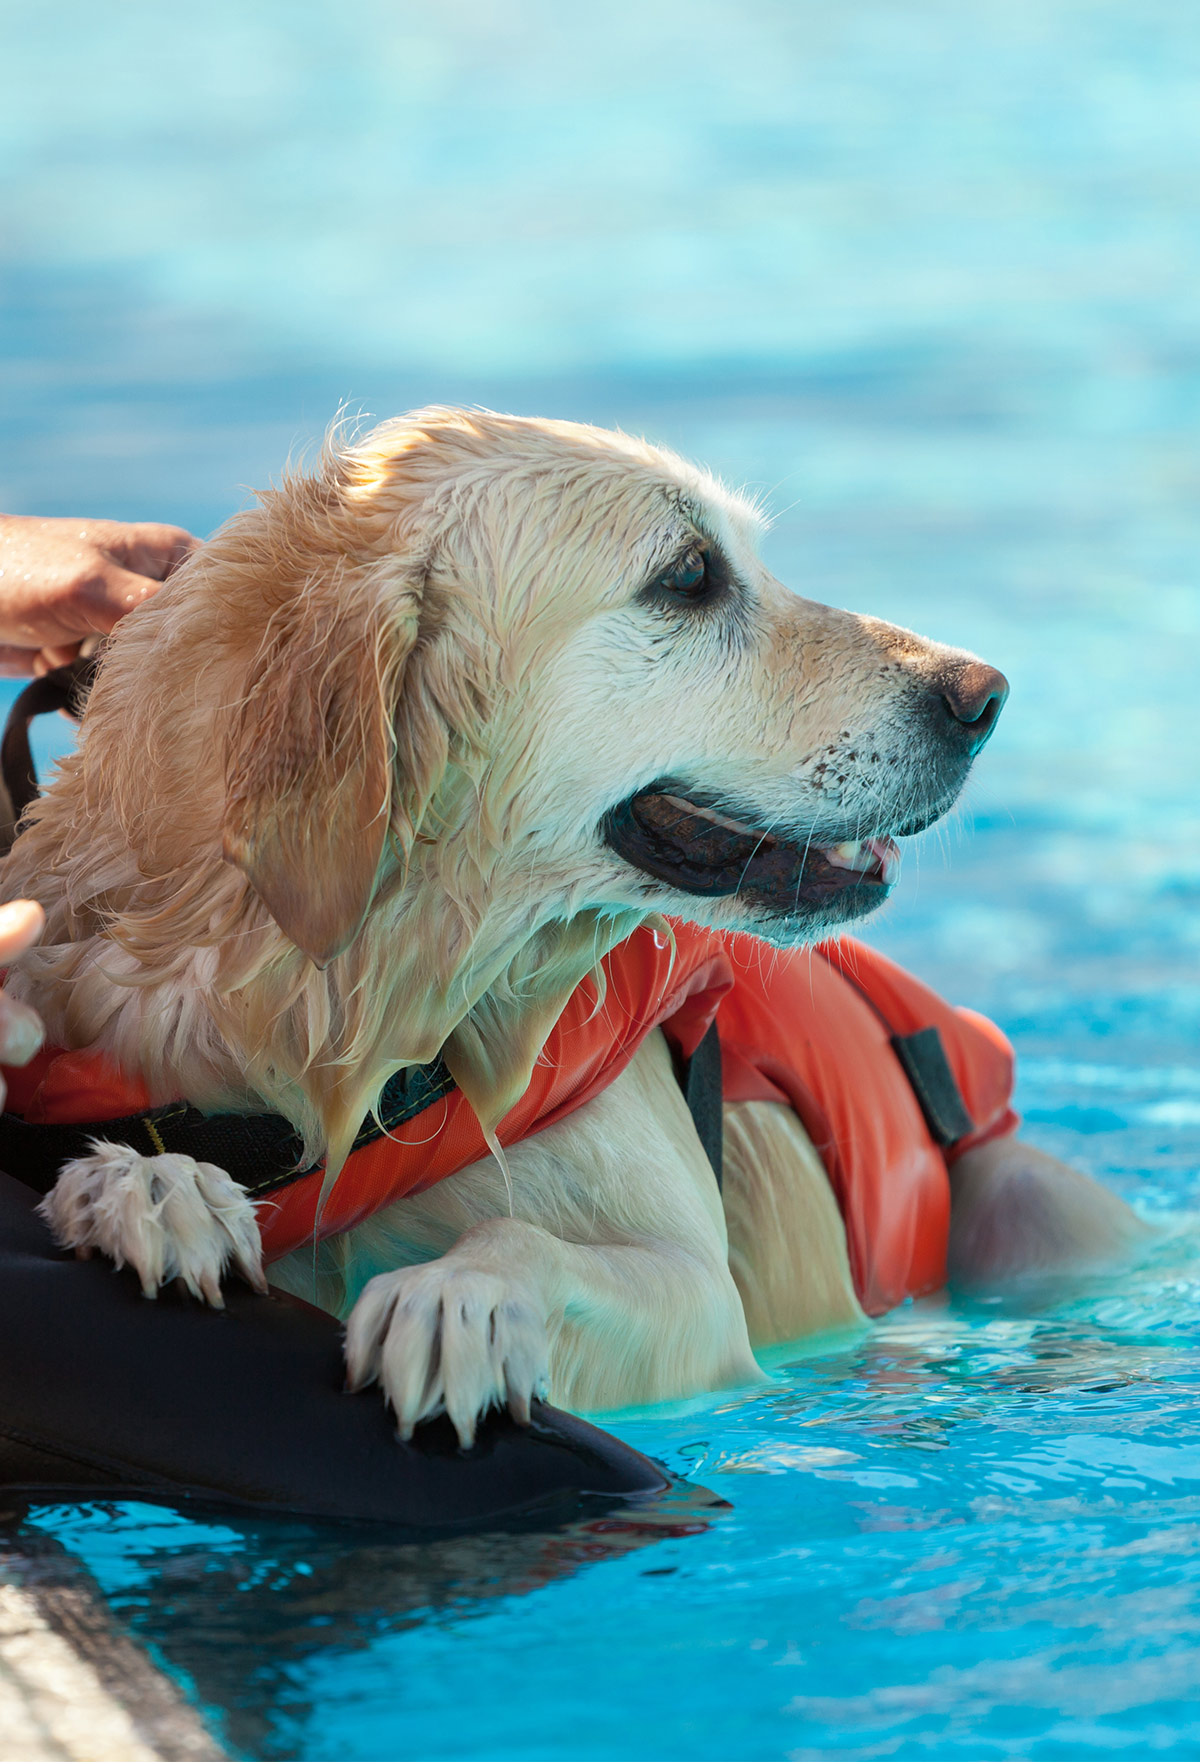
x,y
309,766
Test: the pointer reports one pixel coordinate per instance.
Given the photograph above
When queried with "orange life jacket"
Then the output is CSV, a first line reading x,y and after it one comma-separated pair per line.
x,y
816,1030
811,1029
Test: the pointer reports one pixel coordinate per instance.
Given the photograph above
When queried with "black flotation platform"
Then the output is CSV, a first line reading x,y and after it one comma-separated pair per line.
x,y
103,1393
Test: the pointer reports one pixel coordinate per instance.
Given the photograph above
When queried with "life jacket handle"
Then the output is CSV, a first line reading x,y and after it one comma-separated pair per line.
x,y
62,689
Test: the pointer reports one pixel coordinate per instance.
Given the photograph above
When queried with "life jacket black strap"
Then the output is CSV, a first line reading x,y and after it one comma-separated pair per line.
x,y
262,1152
700,1081
923,1058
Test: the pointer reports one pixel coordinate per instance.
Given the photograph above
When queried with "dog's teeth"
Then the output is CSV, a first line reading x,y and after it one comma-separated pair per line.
x,y
876,857
851,854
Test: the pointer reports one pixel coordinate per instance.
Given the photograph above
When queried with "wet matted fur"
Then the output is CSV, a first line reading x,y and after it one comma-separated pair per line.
x,y
339,806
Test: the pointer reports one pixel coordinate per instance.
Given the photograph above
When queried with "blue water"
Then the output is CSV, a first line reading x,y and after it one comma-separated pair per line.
x,y
928,277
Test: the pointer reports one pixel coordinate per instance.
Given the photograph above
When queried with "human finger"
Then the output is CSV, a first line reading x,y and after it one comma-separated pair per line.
x,y
46,660
21,923
21,1031
21,663
154,549
107,595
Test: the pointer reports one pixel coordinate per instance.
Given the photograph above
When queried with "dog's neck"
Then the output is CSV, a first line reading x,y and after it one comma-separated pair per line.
x,y
400,997
193,988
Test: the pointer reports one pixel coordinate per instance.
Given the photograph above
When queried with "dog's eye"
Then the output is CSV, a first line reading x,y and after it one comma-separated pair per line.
x,y
687,578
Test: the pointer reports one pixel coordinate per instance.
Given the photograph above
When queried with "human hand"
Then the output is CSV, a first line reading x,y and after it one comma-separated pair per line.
x,y
63,581
21,1032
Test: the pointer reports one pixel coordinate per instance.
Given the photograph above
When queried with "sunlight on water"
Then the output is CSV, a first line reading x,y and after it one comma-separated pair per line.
x,y
927,278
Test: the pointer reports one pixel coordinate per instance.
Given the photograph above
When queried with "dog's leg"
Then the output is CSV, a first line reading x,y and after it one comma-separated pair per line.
x,y
787,1243
169,1217
608,1285
1016,1210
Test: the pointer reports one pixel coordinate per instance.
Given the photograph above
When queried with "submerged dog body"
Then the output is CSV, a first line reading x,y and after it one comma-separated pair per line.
x,y
381,774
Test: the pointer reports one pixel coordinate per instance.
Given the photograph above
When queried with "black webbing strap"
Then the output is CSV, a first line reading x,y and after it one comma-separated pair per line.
x,y
262,1152
934,1085
923,1061
700,1081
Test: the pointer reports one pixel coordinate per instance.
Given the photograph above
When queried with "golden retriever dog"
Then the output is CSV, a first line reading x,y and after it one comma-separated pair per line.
x,y
343,801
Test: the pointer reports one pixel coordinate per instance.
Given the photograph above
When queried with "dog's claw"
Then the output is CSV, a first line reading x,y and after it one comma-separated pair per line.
x,y
250,1267
210,1291
447,1340
253,1274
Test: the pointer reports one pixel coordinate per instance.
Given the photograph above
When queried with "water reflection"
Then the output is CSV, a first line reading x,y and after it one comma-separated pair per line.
x,y
237,1606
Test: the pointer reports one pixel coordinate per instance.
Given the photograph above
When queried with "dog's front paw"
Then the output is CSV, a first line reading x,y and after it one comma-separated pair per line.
x,y
167,1217
457,1340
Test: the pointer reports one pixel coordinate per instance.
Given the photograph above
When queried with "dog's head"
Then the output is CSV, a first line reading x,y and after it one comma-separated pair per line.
x,y
552,653
390,762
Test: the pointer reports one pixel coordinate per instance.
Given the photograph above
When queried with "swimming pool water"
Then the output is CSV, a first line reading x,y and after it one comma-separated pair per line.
x,y
927,278
970,1533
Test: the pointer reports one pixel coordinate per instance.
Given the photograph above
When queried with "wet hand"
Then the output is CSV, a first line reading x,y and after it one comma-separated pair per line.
x,y
63,581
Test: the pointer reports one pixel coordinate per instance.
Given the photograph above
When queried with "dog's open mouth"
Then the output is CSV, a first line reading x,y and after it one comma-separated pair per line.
x,y
702,849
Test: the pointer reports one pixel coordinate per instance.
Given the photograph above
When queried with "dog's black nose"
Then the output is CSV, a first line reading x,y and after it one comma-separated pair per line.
x,y
974,694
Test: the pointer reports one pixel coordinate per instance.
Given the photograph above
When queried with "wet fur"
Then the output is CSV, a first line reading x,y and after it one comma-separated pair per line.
x,y
334,810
